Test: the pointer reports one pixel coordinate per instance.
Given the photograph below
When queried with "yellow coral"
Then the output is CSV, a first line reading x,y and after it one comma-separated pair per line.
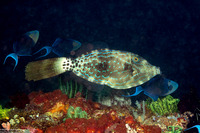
x,y
54,115
59,107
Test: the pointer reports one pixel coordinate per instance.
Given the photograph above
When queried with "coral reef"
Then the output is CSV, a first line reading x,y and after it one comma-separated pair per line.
x,y
174,129
19,100
116,98
71,88
140,113
166,122
56,112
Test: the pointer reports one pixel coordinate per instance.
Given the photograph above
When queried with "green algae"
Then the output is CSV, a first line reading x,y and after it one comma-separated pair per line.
x,y
164,106
4,113
75,113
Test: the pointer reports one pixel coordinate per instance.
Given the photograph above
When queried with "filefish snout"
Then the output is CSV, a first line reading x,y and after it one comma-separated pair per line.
x,y
155,70
150,69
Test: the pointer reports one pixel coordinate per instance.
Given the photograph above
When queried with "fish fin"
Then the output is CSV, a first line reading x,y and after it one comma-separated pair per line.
x,y
173,84
154,97
76,45
48,50
14,56
138,90
56,42
34,35
43,69
197,126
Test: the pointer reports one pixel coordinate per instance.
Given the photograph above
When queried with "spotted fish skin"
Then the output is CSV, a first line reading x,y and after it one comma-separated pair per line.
x,y
117,69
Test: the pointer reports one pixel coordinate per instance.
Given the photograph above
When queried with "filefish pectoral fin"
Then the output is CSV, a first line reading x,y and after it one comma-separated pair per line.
x,y
48,50
196,126
14,56
154,97
138,90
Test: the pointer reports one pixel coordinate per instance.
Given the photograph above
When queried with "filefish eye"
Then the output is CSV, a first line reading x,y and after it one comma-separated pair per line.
x,y
135,59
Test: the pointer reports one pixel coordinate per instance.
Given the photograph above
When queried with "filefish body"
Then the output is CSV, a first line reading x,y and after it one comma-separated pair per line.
x,y
117,69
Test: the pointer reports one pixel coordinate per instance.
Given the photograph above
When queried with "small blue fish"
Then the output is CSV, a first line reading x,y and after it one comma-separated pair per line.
x,y
158,86
23,46
61,47
196,126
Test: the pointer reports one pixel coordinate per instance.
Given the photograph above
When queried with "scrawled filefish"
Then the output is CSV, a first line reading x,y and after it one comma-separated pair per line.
x,y
117,69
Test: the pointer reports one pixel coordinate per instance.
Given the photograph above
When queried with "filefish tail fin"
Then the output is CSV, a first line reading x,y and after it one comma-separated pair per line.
x,y
47,68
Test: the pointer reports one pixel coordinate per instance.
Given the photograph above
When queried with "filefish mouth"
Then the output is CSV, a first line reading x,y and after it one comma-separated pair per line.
x,y
152,70
144,74
149,69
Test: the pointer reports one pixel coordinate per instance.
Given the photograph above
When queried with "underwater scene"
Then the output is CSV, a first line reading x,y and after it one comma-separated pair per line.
x,y
88,66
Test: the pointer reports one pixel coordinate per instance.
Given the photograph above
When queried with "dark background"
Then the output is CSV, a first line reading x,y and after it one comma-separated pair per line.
x,y
166,33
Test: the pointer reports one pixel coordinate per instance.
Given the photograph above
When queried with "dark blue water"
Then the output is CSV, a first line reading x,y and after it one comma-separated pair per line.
x,y
166,33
